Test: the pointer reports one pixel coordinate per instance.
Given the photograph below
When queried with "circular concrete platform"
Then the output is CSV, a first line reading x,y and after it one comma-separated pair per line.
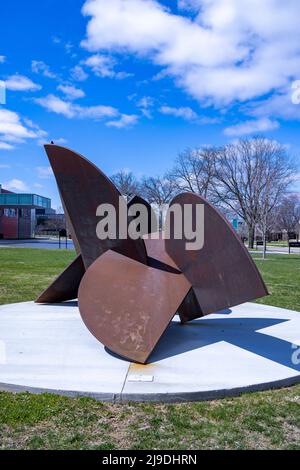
x,y
47,348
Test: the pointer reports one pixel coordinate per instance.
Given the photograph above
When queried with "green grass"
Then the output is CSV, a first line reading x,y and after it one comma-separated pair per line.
x,y
259,420
24,273
263,420
281,273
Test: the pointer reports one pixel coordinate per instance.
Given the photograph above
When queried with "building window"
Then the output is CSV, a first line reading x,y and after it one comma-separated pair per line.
x,y
10,212
24,213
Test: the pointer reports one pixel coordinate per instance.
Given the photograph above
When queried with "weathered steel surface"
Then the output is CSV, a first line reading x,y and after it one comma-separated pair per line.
x,y
127,305
129,290
152,223
65,286
222,273
83,187
190,308
157,256
70,227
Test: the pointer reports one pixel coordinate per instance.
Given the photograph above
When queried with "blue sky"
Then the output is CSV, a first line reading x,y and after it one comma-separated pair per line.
x,y
130,83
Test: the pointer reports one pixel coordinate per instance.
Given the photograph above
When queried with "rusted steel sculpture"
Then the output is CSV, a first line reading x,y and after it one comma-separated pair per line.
x,y
129,289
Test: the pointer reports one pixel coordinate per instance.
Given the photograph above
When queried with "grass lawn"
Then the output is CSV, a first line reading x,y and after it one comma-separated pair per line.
x,y
25,272
261,420
281,273
258,420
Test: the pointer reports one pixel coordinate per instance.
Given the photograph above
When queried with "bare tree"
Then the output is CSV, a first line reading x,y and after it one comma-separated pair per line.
x,y
251,176
266,222
126,183
194,171
158,190
288,215
60,210
53,222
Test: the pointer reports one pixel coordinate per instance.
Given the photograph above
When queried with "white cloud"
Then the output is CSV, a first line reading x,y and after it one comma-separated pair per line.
x,y
70,110
145,104
78,74
68,47
103,66
251,127
14,129
183,112
2,59
96,112
16,185
38,66
60,141
44,172
20,83
40,134
57,105
125,120
4,166
5,146
71,91
226,52
279,105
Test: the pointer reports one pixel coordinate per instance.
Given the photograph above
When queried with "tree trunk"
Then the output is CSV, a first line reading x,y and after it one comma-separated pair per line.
x,y
265,243
251,235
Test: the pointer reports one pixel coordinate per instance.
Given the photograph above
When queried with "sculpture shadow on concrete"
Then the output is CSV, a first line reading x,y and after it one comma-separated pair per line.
x,y
130,289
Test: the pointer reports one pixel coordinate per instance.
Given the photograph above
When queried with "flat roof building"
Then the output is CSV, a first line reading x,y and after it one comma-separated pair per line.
x,y
18,213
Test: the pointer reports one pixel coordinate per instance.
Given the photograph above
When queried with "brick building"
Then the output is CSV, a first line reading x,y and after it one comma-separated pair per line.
x,y
18,213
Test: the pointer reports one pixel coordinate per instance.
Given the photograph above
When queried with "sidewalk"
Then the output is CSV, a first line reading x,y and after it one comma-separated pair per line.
x,y
44,243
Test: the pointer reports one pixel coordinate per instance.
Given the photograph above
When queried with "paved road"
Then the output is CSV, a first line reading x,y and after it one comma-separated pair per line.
x,y
278,250
52,244
41,243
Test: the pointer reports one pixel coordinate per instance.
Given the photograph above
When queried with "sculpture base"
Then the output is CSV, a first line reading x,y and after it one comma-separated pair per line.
x,y
47,348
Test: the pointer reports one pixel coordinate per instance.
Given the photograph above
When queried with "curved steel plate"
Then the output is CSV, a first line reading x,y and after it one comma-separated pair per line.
x,y
222,273
127,305
152,223
157,256
190,308
83,187
66,285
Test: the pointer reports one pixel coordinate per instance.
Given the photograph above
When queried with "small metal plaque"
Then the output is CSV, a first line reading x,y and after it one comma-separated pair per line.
x,y
141,378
